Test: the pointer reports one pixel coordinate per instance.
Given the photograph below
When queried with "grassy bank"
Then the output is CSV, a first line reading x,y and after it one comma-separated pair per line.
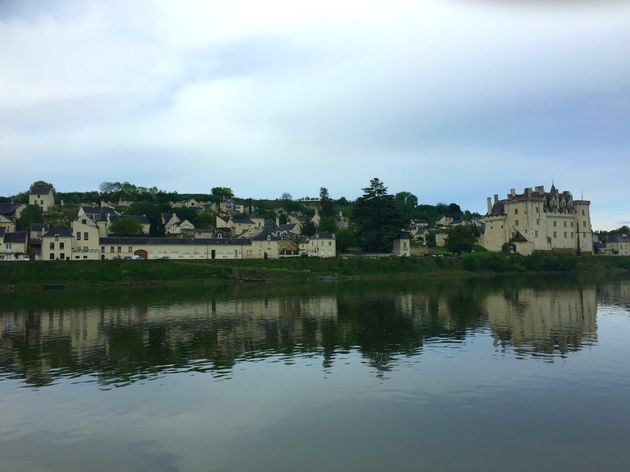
x,y
172,272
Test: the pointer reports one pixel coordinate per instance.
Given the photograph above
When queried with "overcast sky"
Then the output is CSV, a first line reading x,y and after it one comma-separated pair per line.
x,y
451,100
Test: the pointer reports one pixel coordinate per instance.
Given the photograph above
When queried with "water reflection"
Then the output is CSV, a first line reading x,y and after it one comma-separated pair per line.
x,y
122,337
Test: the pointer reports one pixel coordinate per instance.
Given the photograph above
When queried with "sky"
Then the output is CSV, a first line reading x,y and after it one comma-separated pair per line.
x,y
452,100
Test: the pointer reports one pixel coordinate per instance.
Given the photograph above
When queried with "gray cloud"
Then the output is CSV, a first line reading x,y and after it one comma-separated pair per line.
x,y
450,100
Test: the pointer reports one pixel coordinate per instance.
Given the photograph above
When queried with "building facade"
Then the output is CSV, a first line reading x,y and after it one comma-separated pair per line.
x,y
42,196
538,221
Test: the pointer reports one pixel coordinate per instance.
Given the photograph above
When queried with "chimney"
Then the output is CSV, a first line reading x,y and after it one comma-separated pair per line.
x,y
496,198
540,189
512,192
489,205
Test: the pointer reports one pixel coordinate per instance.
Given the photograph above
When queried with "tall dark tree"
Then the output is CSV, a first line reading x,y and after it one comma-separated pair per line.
x,y
407,202
309,229
30,214
125,226
220,194
461,239
326,204
377,217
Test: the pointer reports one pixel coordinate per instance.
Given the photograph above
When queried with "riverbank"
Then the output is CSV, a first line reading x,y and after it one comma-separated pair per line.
x,y
121,272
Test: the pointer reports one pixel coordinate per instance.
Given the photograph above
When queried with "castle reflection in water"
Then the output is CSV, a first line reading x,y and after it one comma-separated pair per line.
x,y
120,342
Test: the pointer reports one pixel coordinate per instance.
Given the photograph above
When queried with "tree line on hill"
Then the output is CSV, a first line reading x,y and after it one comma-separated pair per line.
x,y
376,217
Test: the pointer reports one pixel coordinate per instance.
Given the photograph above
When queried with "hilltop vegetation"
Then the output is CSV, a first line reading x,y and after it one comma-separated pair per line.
x,y
372,221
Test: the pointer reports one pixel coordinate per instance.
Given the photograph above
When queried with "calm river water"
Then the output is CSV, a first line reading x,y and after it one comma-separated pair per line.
x,y
511,374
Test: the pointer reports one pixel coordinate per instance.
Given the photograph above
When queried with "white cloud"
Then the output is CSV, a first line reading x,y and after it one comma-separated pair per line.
x,y
453,100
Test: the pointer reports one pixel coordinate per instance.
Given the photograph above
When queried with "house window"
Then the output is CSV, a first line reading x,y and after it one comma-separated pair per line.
x,y
516,211
111,249
536,233
56,238
52,246
571,234
62,256
85,236
565,224
565,235
582,212
119,248
130,249
572,224
555,223
84,222
52,257
78,236
235,252
62,245
515,222
555,235
102,248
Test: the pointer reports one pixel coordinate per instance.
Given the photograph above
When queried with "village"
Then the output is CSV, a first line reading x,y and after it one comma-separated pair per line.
x,y
523,223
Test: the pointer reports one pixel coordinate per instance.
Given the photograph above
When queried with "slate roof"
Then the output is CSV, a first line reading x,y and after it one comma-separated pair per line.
x,y
16,237
39,190
618,238
98,213
142,219
518,238
130,240
63,232
9,209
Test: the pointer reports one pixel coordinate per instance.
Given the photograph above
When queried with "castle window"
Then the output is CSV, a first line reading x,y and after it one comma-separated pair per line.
x,y
565,224
515,222
536,233
582,212
572,224
565,235
571,234
555,235
555,223
516,211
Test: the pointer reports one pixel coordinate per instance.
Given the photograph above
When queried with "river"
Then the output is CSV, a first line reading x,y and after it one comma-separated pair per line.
x,y
519,374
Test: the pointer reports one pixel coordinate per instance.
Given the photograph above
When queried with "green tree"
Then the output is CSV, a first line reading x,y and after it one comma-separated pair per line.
x,y
460,239
327,205
345,239
30,214
309,229
125,226
407,203
221,194
153,212
327,223
377,217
